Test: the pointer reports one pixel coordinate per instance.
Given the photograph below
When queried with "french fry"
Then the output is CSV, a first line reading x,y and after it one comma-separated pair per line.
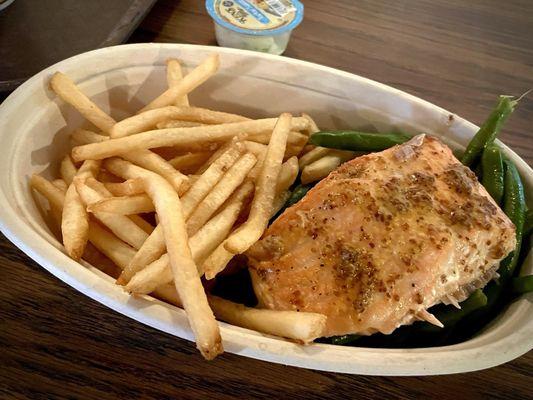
x,y
201,244
231,180
151,161
294,138
148,119
257,149
213,233
180,137
125,205
190,162
65,88
175,123
265,191
129,187
184,270
123,227
301,326
287,175
53,194
312,127
217,261
192,80
114,248
153,248
74,219
144,158
141,223
307,148
323,166
67,170
60,184
102,190
313,155
174,76
279,201
83,136
210,178
99,260
218,152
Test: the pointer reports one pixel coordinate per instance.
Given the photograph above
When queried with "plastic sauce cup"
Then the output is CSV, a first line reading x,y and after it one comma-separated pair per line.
x,y
260,25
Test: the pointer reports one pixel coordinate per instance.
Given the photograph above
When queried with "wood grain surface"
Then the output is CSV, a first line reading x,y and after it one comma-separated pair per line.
x,y
57,343
36,34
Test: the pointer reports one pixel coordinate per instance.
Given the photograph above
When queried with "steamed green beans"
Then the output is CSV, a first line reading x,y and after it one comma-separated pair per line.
x,y
357,141
489,130
492,172
522,284
515,208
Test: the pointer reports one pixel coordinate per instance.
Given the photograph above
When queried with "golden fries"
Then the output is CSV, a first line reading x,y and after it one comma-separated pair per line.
x,y
323,166
53,194
180,137
210,178
301,326
201,244
207,173
175,123
152,248
313,155
184,270
123,227
144,158
69,92
190,162
287,174
83,136
148,119
265,191
126,205
60,184
191,81
151,161
127,188
67,170
220,193
74,219
174,77
216,261
114,248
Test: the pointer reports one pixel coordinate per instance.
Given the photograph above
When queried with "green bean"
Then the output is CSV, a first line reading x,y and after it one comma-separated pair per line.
x,y
451,316
489,130
357,141
297,194
515,208
528,223
522,284
492,171
344,339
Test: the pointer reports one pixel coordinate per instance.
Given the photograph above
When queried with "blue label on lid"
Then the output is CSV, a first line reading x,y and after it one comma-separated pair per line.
x,y
254,12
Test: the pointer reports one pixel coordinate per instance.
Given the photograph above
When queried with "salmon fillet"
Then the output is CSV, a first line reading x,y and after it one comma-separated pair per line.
x,y
381,239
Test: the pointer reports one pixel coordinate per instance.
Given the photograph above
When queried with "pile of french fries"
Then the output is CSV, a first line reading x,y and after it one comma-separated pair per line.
x,y
174,192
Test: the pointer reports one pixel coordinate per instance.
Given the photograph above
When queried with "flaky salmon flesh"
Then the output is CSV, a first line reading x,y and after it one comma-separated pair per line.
x,y
381,239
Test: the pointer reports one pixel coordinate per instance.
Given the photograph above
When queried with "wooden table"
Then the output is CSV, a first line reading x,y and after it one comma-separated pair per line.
x,y
56,343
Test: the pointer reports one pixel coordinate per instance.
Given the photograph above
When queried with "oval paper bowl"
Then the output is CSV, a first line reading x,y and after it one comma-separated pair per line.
x,y
34,136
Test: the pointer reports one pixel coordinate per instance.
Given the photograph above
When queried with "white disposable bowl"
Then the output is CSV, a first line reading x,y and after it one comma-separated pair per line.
x,y
34,136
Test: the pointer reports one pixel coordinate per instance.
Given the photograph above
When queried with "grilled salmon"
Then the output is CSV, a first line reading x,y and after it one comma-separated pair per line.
x,y
383,238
